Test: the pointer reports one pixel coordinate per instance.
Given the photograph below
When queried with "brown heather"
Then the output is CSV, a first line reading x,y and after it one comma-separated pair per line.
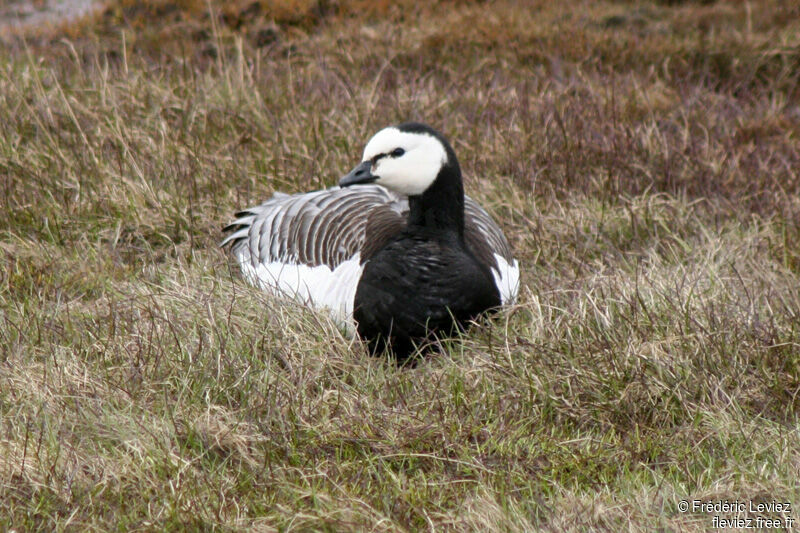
x,y
642,157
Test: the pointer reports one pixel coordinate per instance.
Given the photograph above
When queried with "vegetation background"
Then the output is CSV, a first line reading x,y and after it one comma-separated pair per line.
x,y
642,157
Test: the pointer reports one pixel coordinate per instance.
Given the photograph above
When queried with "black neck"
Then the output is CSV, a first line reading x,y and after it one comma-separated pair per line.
x,y
441,206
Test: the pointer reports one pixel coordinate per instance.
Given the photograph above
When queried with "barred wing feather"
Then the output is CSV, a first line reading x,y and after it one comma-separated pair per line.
x,y
312,246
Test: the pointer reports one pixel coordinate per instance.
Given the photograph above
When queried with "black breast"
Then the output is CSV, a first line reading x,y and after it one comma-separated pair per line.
x,y
417,285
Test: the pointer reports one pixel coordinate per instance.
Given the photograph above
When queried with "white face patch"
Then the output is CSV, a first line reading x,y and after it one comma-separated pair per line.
x,y
412,172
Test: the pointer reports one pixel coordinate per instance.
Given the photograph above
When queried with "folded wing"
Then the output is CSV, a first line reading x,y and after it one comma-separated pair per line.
x,y
312,246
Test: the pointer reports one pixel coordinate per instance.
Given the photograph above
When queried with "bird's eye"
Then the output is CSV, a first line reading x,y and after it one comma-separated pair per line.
x,y
397,152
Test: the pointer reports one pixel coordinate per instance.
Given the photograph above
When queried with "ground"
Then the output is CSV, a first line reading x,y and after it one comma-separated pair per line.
x,y
642,158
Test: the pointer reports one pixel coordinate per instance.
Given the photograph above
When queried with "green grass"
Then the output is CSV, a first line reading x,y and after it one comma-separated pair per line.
x,y
642,158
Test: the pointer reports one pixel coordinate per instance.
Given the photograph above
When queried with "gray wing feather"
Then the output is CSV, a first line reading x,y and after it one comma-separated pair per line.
x,y
483,235
319,228
328,227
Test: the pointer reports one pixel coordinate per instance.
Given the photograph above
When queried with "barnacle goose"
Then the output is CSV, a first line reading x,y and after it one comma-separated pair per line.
x,y
397,250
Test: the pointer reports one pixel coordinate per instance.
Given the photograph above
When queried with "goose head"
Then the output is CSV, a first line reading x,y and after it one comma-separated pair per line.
x,y
407,158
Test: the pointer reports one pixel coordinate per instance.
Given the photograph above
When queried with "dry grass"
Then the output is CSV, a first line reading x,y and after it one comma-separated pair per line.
x,y
642,157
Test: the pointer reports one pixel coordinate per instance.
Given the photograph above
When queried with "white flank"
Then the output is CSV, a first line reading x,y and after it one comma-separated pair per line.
x,y
506,278
316,286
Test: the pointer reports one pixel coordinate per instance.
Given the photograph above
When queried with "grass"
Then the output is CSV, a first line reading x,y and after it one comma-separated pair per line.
x,y
642,158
